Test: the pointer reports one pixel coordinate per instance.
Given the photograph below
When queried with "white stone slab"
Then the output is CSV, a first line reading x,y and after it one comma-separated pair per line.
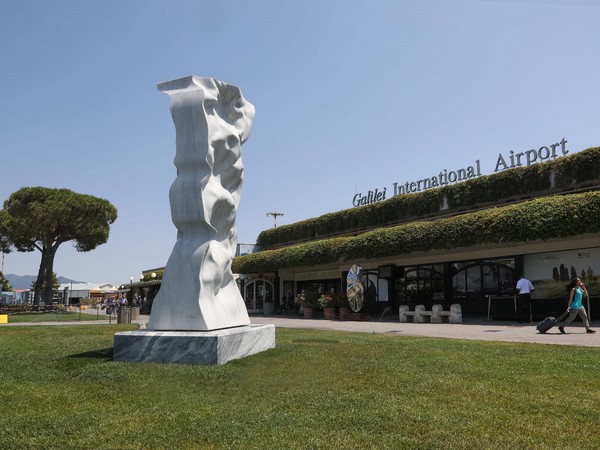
x,y
214,347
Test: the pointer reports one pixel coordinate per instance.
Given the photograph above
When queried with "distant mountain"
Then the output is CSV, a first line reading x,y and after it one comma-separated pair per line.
x,y
24,281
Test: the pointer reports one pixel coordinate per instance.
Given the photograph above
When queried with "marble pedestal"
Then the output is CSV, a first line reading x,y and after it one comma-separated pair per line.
x,y
214,347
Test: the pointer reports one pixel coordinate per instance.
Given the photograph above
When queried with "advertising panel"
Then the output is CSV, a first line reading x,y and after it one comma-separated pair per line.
x,y
551,272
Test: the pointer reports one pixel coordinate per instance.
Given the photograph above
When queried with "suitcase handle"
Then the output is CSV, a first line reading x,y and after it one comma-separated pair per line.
x,y
562,316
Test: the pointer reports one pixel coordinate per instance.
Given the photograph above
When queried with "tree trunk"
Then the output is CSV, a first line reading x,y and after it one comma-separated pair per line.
x,y
37,293
48,261
43,284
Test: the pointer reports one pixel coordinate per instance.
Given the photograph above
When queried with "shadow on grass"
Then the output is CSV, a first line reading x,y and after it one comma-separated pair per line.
x,y
106,353
316,341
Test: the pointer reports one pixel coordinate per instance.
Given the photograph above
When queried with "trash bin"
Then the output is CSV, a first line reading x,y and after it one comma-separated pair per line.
x,y
135,313
123,315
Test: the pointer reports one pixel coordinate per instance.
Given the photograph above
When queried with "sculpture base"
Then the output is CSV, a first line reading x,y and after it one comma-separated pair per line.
x,y
193,347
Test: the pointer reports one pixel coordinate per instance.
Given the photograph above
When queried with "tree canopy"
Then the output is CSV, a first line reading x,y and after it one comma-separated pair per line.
x,y
40,218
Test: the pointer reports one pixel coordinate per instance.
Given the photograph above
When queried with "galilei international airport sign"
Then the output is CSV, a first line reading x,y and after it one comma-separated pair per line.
x,y
446,177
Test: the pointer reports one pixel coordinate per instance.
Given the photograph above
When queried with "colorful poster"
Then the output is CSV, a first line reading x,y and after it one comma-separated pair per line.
x,y
550,273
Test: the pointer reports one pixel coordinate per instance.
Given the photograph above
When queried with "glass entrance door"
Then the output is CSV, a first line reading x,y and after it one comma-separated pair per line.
x,y
473,281
258,292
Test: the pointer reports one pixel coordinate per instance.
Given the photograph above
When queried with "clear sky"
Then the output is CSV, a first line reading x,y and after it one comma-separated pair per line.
x,y
350,96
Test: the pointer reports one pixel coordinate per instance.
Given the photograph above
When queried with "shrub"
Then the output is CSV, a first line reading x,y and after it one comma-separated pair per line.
x,y
559,216
514,184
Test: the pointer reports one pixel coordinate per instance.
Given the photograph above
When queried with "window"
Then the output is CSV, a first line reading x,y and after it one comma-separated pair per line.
x,y
472,281
422,284
489,277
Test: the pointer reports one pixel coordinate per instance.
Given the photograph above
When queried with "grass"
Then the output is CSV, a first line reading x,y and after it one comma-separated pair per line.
x,y
65,316
316,389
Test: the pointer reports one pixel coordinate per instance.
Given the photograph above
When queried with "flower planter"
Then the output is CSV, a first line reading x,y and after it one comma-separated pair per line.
x,y
344,313
329,313
308,313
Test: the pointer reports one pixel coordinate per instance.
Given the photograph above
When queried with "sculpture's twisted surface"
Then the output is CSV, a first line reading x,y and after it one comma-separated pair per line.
x,y
198,291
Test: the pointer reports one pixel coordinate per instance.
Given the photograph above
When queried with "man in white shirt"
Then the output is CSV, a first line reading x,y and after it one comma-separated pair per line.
x,y
524,287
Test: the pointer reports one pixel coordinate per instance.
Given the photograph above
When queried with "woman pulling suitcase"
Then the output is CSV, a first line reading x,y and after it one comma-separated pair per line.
x,y
576,290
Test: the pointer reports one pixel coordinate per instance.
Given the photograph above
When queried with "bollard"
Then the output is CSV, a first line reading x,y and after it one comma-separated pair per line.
x,y
123,315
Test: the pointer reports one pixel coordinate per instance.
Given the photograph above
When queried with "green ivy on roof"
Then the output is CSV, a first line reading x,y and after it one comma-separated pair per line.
x,y
509,185
559,216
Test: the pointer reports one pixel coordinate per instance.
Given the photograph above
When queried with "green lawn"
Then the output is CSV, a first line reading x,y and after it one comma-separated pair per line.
x,y
65,316
316,389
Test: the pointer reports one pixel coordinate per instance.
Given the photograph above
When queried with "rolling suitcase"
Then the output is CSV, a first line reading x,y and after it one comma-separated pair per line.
x,y
549,322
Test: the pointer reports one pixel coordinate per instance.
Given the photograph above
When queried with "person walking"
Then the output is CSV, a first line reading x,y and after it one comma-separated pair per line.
x,y
576,290
524,287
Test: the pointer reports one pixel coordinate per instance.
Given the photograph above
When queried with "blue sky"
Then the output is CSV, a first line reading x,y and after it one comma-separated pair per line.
x,y
349,96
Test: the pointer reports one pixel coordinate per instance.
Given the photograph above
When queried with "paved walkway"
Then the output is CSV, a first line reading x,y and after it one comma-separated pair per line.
x,y
471,329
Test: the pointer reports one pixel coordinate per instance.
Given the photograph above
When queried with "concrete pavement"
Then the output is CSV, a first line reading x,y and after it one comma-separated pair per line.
x,y
479,330
472,329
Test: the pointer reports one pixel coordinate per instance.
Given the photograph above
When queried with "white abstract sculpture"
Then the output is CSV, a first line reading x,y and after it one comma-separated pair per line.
x,y
198,292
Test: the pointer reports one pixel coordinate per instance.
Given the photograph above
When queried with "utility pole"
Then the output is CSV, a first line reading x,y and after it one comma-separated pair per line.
x,y
275,215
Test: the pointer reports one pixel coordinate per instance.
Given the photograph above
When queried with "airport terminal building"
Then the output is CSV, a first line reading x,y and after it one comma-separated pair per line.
x,y
458,237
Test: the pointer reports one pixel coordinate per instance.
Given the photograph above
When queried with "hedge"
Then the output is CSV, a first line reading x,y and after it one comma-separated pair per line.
x,y
559,216
562,173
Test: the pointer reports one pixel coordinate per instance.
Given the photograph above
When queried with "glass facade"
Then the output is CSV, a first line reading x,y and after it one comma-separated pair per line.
x,y
320,286
467,283
472,281
422,284
480,286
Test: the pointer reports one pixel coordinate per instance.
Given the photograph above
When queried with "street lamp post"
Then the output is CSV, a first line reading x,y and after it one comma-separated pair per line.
x,y
139,301
275,215
131,289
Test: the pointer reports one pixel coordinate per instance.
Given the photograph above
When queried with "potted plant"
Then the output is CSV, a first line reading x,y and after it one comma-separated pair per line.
x,y
327,302
307,301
